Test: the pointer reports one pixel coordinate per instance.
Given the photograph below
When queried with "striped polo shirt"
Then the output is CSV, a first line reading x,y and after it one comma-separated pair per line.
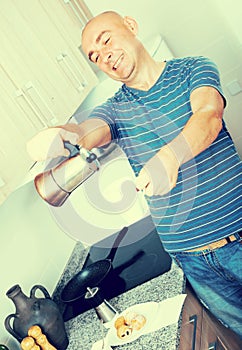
x,y
205,205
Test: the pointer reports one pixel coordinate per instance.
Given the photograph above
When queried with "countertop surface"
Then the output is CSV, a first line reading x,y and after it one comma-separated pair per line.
x,y
85,329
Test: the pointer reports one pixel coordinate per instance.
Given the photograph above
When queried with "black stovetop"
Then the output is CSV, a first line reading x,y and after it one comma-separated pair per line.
x,y
139,257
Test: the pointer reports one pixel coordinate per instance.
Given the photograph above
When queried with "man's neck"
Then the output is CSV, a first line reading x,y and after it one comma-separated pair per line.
x,y
148,76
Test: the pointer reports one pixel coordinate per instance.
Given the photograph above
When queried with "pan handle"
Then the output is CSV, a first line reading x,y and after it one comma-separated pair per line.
x,y
116,243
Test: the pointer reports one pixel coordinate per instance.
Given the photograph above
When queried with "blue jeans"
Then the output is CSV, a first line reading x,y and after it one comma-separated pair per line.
x,y
216,277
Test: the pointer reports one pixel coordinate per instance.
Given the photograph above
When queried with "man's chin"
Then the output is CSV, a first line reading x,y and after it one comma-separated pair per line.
x,y
125,78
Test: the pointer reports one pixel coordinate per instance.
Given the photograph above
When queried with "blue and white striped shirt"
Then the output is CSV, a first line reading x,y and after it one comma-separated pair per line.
x,y
205,205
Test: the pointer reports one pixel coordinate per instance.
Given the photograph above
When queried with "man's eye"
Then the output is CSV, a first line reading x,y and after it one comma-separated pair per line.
x,y
106,41
96,58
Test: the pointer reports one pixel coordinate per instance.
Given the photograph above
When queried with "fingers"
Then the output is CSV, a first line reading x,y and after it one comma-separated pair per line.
x,y
142,180
71,135
48,144
66,153
157,177
143,183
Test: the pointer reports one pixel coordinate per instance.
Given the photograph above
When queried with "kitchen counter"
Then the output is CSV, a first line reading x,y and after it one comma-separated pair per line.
x,y
84,329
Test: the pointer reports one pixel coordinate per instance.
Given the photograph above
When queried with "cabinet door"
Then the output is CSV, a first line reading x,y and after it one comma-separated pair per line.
x,y
17,125
42,58
76,15
43,77
217,337
191,323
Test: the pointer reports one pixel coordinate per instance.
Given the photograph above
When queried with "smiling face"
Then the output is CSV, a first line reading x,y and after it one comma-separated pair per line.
x,y
110,42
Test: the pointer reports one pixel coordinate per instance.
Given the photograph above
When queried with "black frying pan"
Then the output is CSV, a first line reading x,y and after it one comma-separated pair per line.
x,y
92,275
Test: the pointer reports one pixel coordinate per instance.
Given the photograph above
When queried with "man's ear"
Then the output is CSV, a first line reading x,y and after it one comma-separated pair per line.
x,y
131,24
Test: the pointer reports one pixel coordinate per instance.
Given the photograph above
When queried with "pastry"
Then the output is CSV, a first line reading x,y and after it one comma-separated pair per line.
x,y
138,322
129,316
120,321
128,322
124,332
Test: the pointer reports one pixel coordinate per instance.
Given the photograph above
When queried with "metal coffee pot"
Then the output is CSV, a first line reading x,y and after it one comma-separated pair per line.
x,y
104,310
56,184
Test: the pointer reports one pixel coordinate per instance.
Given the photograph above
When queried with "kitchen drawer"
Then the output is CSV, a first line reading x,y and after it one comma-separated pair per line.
x,y
200,330
217,337
191,323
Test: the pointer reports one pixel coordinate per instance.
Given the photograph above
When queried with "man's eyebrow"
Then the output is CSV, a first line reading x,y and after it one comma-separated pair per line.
x,y
100,36
97,41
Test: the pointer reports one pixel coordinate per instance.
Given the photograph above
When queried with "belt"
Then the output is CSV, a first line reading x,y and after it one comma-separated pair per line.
x,y
218,244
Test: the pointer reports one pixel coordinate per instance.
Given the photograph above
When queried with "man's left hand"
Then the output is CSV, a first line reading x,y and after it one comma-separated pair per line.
x,y
159,174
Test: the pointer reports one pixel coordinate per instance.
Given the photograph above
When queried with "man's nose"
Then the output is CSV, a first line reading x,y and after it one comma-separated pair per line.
x,y
107,55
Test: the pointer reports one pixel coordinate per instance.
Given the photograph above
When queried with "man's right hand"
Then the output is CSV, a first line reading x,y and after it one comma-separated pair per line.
x,y
49,143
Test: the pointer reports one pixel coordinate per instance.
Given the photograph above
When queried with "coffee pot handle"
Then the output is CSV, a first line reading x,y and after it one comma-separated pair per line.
x,y
9,328
73,149
43,290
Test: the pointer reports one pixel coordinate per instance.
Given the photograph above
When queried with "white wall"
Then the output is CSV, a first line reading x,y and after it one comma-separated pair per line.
x,y
231,10
34,250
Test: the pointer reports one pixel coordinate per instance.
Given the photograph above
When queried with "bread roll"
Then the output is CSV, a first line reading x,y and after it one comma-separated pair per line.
x,y
124,332
138,322
129,316
120,321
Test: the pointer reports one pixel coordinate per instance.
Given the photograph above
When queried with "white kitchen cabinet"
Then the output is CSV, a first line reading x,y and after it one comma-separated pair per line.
x,y
43,76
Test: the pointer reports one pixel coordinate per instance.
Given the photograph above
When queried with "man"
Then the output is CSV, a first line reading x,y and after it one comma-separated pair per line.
x,y
167,117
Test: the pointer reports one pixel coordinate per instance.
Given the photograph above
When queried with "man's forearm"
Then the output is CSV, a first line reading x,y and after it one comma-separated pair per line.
x,y
92,133
198,134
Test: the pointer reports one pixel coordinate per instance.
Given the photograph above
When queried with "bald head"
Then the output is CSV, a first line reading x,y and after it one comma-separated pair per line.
x,y
109,40
104,16
108,21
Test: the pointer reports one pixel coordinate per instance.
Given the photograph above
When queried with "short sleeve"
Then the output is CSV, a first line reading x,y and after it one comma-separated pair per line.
x,y
107,114
204,72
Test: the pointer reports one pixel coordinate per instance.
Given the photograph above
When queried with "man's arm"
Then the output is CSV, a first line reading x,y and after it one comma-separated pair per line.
x,y
49,143
91,133
203,127
159,175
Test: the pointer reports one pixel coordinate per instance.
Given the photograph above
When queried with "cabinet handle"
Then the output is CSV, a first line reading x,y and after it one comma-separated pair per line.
x,y
79,13
70,71
2,182
212,346
20,93
193,319
40,103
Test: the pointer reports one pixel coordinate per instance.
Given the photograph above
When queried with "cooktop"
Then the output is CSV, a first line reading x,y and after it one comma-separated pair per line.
x,y
137,258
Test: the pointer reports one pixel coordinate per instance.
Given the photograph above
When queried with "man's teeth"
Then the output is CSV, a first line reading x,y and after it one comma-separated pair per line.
x,y
118,62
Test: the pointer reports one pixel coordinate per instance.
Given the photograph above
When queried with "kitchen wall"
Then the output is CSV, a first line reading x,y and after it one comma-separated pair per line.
x,y
231,10
34,248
